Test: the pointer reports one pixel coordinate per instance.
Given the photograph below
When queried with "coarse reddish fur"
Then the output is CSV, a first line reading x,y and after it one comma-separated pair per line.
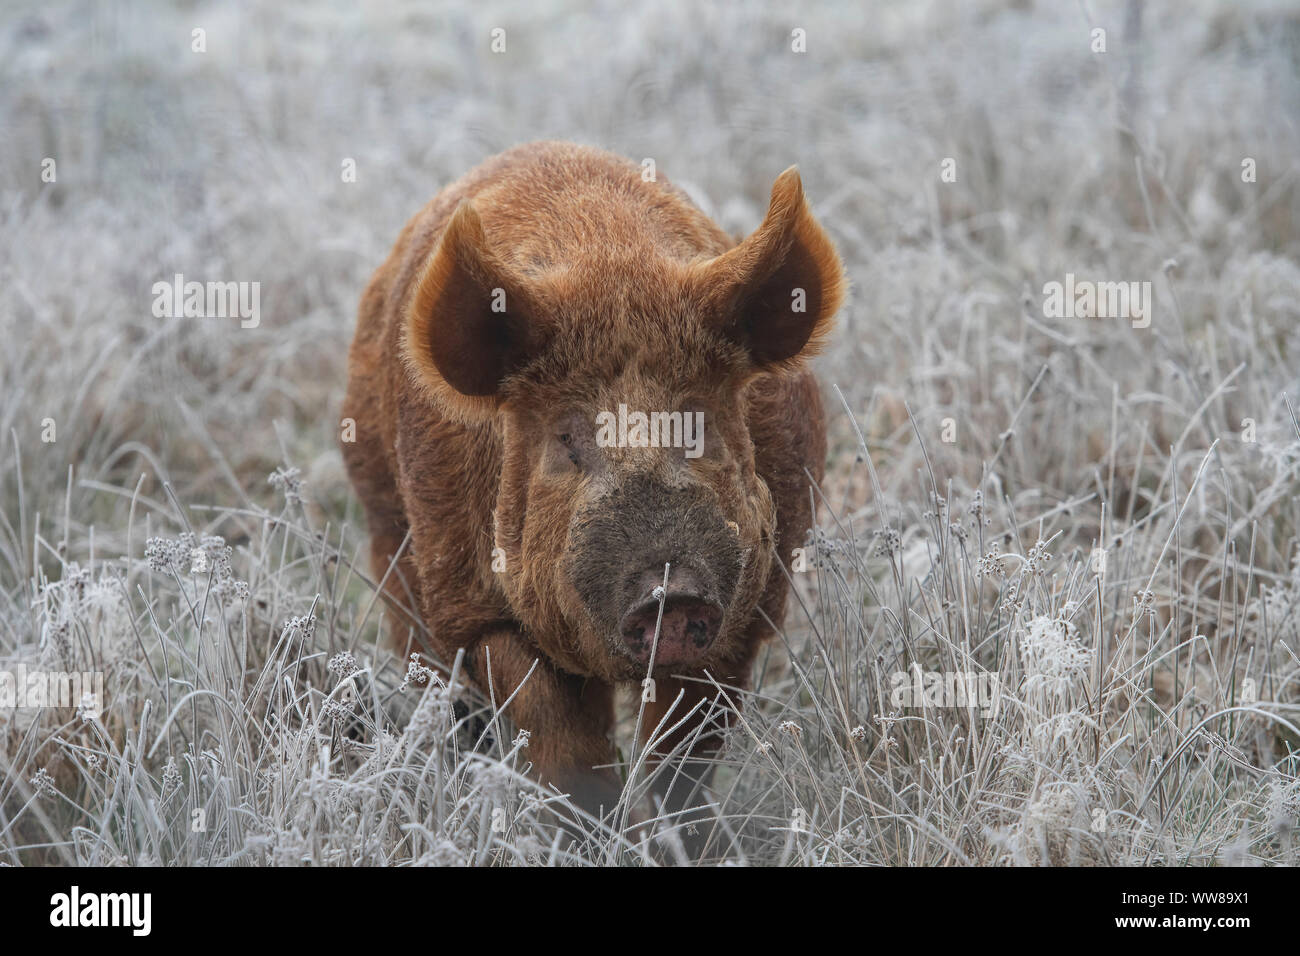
x,y
475,434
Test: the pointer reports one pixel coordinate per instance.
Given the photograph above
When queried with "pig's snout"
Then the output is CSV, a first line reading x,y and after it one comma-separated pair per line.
x,y
619,546
688,627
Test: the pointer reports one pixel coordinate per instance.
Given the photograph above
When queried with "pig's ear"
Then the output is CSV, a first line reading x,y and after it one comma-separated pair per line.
x,y
777,291
472,322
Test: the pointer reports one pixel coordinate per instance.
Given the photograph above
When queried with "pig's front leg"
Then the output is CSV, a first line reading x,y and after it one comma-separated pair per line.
x,y
568,717
684,757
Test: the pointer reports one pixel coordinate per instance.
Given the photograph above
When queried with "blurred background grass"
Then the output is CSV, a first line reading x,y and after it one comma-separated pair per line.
x,y
226,165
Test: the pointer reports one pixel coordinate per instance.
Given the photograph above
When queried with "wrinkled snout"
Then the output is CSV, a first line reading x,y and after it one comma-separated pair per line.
x,y
618,549
687,626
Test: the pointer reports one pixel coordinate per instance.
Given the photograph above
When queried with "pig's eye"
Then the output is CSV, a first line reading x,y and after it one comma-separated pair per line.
x,y
571,449
567,441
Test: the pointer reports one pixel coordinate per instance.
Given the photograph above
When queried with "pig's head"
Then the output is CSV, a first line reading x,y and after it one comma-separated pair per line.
x,y
614,375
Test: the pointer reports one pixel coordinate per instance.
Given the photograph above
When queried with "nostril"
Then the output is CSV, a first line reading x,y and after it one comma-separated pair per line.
x,y
634,631
699,630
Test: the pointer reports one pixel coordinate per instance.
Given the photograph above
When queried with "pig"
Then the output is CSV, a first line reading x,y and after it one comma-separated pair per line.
x,y
525,315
